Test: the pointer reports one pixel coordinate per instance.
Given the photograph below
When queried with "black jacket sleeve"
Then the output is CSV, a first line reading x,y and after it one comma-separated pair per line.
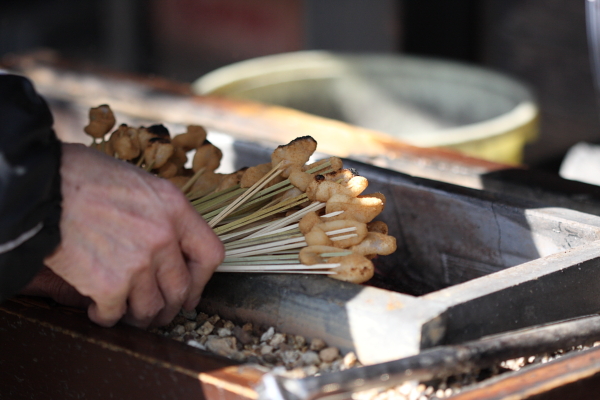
x,y
30,198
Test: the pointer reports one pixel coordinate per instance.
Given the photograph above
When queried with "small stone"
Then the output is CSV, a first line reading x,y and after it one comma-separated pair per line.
x,y
325,366
277,339
179,330
290,340
196,344
269,358
336,365
311,358
329,354
219,324
242,335
188,336
201,318
205,329
190,326
238,356
317,344
222,346
214,319
300,341
189,315
285,347
228,325
350,360
266,350
224,332
247,327
268,335
311,370
291,358
406,388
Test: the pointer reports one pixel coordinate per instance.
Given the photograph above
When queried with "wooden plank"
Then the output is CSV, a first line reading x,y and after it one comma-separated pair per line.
x,y
50,351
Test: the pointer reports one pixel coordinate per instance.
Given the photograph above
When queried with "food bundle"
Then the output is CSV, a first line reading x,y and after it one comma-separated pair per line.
x,y
285,216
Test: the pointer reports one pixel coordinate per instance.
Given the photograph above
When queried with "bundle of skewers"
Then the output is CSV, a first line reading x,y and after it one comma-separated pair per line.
x,y
285,216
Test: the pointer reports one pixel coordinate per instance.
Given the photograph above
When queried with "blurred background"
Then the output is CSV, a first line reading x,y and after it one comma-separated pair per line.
x,y
540,43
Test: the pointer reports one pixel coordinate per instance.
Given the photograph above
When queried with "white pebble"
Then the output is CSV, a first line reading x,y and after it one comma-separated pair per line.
x,y
223,332
268,335
277,339
179,330
197,344
311,358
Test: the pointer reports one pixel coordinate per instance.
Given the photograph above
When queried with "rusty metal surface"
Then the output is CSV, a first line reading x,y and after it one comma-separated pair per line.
x,y
573,377
469,264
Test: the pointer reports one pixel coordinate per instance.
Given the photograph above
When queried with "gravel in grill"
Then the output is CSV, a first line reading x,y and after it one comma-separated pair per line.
x,y
295,357
284,354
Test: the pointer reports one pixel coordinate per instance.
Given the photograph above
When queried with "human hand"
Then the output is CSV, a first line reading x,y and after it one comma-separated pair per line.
x,y
47,284
131,242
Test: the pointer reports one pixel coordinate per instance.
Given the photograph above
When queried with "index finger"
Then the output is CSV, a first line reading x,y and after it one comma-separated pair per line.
x,y
203,252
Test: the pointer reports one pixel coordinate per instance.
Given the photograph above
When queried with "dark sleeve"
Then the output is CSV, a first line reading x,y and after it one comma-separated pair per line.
x,y
30,198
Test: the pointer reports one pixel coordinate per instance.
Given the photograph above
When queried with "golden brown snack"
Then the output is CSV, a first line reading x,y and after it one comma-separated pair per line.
x,y
300,179
321,190
375,243
179,180
125,142
336,163
362,208
254,174
168,170
101,122
158,152
317,237
360,230
207,156
294,154
311,255
193,138
151,132
207,182
378,226
230,180
354,268
308,221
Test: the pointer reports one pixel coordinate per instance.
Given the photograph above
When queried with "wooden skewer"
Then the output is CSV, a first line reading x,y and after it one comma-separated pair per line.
x,y
188,185
255,188
276,268
337,238
266,246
